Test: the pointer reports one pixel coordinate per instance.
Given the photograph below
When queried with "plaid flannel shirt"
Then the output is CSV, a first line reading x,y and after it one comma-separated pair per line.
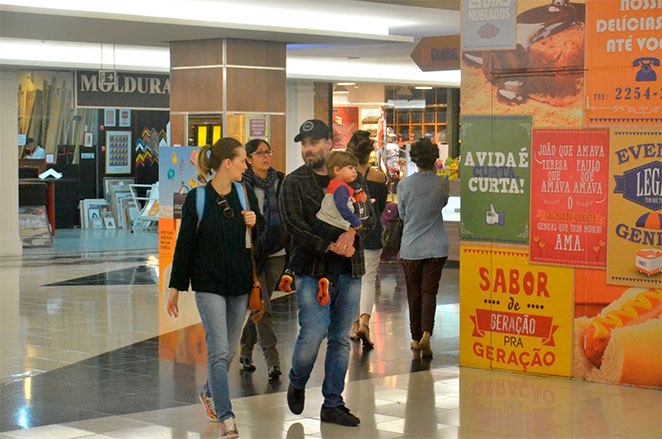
x,y
300,198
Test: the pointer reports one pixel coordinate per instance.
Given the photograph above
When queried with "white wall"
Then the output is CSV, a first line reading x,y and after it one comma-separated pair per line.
x,y
300,107
10,243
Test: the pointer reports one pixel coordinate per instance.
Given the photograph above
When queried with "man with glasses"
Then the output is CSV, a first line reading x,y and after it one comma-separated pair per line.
x,y
300,199
266,183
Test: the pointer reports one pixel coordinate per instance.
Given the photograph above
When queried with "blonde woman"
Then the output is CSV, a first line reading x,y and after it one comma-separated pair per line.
x,y
212,255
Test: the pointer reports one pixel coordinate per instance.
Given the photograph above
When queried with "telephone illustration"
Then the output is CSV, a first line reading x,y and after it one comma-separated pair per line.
x,y
646,72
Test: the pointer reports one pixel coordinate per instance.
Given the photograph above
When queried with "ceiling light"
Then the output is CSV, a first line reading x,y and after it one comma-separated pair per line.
x,y
345,83
423,87
340,90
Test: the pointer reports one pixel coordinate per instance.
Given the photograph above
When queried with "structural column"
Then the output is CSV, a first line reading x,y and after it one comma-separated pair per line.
x,y
10,243
228,77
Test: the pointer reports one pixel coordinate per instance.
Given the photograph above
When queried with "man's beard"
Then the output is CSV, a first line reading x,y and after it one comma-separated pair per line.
x,y
314,162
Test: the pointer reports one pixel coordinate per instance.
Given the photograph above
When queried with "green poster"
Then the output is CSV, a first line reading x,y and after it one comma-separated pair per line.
x,y
495,178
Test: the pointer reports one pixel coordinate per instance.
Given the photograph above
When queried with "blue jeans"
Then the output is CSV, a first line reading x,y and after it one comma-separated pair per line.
x,y
317,322
222,318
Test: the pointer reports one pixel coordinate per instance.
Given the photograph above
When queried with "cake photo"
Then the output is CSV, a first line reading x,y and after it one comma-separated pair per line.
x,y
542,76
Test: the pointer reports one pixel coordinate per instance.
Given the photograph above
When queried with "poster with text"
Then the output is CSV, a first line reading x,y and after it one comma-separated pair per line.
x,y
514,315
178,174
618,332
495,178
543,76
634,243
488,25
569,180
623,57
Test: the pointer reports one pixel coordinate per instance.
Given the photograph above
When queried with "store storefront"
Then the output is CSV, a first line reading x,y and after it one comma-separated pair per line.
x,y
99,136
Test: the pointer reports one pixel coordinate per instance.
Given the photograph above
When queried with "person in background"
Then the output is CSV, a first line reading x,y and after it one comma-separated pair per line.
x,y
424,247
213,256
266,182
300,200
38,153
362,146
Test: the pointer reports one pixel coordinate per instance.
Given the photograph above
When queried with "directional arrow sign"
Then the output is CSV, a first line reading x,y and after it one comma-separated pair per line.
x,y
433,54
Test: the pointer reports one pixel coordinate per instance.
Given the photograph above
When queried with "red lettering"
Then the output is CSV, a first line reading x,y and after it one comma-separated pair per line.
x,y
483,272
528,283
514,284
542,284
499,281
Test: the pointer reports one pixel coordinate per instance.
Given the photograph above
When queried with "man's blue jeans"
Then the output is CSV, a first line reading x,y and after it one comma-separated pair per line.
x,y
222,318
317,322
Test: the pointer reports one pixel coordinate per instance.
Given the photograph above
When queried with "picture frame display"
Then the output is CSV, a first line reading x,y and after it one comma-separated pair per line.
x,y
118,152
109,117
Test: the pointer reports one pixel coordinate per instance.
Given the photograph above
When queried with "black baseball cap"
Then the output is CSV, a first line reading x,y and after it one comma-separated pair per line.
x,y
314,128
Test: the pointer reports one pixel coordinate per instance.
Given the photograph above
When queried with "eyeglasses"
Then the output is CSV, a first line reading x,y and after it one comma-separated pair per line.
x,y
263,153
227,210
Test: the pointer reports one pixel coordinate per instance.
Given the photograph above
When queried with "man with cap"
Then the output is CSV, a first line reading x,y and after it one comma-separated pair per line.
x,y
300,199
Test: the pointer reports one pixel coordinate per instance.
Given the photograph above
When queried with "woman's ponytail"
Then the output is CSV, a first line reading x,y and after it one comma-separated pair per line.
x,y
211,157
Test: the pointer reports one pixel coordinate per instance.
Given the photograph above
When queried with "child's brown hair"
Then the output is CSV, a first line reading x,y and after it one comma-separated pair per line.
x,y
341,159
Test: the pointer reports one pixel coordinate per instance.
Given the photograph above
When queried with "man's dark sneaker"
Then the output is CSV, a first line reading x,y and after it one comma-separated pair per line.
x,y
339,415
295,399
247,364
274,372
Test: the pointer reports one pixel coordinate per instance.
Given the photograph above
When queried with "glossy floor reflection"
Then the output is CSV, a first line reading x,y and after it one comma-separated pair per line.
x,y
438,403
81,356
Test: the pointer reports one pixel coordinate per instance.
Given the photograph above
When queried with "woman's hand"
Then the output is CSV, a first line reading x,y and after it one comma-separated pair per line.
x,y
249,218
173,299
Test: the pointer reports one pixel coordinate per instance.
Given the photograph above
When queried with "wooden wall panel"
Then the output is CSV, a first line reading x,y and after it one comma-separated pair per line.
x,y
256,90
278,142
178,129
196,53
256,53
196,90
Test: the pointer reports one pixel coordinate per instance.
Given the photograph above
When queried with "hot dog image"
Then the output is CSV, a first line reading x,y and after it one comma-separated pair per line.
x,y
623,343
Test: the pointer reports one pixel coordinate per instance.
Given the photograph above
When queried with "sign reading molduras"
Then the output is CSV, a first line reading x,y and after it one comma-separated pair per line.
x,y
130,90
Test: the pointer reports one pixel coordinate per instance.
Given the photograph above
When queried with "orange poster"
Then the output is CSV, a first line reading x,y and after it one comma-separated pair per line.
x,y
623,55
514,315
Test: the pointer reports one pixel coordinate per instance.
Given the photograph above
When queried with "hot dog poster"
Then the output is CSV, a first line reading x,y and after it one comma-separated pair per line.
x,y
514,315
495,171
634,243
569,181
618,332
543,74
623,60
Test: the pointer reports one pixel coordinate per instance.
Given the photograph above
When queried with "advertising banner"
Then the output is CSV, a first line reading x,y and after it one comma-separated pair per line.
x,y
634,243
624,52
495,178
177,176
488,25
569,180
514,315
542,77
618,332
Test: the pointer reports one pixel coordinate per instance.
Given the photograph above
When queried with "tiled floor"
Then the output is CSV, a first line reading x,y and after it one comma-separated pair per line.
x,y
82,354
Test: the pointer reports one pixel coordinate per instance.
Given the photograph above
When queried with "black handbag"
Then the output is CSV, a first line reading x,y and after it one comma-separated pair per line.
x,y
392,235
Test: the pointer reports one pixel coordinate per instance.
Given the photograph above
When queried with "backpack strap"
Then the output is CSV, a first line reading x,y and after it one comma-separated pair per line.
x,y
241,194
200,199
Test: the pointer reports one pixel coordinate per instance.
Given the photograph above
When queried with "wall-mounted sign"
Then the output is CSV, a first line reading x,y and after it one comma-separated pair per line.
x,y
434,54
130,90
569,180
623,62
107,77
488,25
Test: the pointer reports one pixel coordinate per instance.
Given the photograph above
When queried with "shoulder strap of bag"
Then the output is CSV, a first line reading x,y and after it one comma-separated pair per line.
x,y
243,199
200,199
241,194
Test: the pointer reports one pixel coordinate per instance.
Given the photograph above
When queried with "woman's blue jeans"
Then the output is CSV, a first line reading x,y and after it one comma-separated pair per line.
x,y
317,322
222,318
